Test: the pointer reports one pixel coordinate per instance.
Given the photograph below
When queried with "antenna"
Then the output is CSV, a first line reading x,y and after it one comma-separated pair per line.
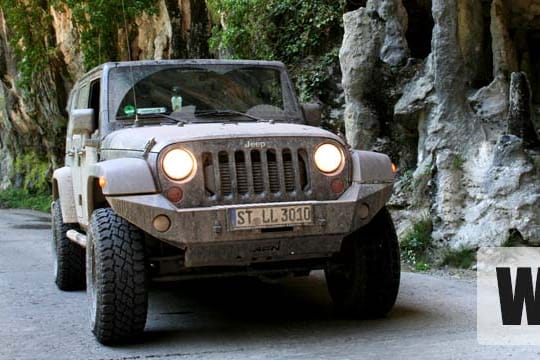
x,y
136,123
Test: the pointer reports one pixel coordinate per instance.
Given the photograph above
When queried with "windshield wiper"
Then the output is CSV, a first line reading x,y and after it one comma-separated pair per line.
x,y
152,116
228,113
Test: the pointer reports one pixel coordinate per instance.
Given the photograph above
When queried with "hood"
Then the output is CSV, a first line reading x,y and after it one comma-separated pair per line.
x,y
137,138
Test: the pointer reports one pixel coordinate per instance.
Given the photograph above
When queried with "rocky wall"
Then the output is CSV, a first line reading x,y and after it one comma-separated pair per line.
x,y
457,113
34,120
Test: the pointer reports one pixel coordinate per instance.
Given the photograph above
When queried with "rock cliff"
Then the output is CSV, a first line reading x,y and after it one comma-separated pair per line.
x,y
451,88
32,117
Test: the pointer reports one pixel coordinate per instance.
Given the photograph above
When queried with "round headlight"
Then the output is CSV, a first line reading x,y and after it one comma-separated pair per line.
x,y
328,158
178,164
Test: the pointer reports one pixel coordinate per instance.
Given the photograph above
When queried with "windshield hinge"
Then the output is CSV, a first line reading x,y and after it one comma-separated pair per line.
x,y
148,147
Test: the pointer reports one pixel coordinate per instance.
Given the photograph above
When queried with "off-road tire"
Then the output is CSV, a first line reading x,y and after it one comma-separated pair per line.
x,y
69,258
363,278
116,278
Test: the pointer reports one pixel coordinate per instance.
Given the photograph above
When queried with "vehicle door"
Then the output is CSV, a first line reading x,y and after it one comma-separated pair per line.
x,y
83,149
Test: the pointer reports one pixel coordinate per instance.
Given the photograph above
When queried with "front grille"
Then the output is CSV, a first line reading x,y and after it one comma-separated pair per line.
x,y
255,172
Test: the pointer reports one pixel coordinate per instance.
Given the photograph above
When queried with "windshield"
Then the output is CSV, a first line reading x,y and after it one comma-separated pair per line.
x,y
192,92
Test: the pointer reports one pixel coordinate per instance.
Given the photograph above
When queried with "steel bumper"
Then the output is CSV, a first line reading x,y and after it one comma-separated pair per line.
x,y
201,231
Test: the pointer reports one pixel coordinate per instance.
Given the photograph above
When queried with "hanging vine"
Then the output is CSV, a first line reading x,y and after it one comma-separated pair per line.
x,y
306,35
99,22
29,38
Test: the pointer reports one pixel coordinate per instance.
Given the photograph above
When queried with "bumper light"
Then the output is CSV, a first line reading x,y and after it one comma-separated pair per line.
x,y
161,223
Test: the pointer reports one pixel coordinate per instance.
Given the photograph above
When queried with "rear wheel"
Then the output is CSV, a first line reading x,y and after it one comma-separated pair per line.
x,y
116,277
363,278
69,267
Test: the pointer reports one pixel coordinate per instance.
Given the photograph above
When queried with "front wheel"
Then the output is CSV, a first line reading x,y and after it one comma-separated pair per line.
x,y
68,257
363,278
116,277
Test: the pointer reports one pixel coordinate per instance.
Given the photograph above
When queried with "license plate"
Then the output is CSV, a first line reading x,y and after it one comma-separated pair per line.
x,y
260,217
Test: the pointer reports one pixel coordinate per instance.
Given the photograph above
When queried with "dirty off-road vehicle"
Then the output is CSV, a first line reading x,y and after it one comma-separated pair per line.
x,y
187,169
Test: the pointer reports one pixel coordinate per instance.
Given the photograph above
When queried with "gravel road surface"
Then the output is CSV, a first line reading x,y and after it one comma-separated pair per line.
x,y
434,318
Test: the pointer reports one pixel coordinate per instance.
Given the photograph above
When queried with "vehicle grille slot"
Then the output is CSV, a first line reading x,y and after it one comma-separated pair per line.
x,y
241,173
302,170
269,174
209,175
273,171
288,171
256,168
225,173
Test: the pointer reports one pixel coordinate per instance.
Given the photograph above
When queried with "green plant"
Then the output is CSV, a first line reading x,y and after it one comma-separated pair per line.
x,y
303,34
536,163
514,239
406,181
21,198
462,258
34,171
457,162
29,37
416,243
99,23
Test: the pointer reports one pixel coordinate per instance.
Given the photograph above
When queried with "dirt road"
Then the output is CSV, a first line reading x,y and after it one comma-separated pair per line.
x,y
434,318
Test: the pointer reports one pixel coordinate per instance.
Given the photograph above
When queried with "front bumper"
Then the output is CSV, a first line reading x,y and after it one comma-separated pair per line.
x,y
208,238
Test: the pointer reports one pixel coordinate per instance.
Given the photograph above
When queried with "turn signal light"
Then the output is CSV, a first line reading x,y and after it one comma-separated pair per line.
x,y
338,186
175,194
102,182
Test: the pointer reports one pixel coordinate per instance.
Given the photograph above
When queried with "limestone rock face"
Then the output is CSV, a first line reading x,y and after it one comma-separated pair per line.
x,y
34,120
462,123
374,38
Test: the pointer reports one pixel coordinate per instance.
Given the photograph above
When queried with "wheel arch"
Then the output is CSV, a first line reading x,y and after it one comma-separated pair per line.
x,y
63,191
371,167
115,172
95,197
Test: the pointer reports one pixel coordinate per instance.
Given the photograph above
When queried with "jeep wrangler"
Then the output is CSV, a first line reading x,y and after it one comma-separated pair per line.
x,y
184,169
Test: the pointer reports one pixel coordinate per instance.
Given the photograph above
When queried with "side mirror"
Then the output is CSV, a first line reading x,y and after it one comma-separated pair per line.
x,y
82,121
312,114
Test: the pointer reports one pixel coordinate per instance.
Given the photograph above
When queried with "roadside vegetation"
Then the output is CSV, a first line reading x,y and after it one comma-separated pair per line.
x,y
418,251
416,244
463,258
22,199
32,190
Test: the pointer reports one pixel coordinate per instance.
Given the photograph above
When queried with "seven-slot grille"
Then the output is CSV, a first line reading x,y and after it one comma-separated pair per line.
x,y
256,172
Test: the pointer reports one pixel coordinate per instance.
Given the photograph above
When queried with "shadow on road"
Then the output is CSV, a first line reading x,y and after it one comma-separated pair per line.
x,y
227,309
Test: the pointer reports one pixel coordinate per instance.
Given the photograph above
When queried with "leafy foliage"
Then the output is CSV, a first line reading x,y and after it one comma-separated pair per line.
x,y
22,199
99,23
28,22
34,191
34,171
304,34
416,243
462,258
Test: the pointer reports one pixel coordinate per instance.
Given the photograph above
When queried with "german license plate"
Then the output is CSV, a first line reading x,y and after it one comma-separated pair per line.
x,y
260,217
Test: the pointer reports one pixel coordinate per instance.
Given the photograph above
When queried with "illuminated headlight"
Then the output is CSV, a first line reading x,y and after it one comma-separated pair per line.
x,y
178,164
328,158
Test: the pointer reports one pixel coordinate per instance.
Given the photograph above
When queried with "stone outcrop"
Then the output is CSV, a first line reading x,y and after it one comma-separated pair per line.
x,y
462,121
34,121
449,88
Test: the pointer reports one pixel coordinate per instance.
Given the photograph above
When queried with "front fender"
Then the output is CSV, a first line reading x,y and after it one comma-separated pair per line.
x,y
371,168
63,192
124,177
